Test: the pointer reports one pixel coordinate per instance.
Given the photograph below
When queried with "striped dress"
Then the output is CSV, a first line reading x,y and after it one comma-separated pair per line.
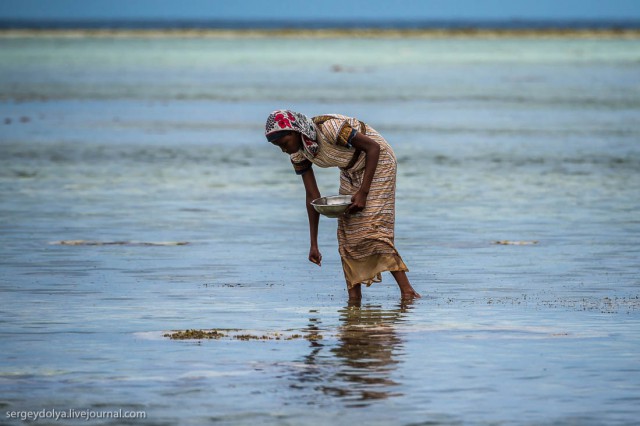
x,y
365,239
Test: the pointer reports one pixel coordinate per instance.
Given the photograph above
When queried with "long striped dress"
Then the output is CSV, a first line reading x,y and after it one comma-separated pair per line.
x,y
365,239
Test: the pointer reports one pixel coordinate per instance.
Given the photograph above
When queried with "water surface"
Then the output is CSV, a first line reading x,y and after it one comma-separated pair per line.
x,y
138,141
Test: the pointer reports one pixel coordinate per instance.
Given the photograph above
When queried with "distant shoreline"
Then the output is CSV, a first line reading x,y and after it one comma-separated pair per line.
x,y
586,33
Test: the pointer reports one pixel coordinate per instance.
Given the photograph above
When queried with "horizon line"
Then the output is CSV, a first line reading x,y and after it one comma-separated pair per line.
x,y
326,24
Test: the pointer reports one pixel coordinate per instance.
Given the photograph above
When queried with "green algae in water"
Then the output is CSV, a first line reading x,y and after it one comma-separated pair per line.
x,y
198,334
195,334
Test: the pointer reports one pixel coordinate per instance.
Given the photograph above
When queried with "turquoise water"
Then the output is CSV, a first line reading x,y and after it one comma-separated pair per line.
x,y
132,147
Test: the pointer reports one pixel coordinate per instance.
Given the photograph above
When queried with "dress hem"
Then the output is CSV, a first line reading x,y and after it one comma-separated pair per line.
x,y
369,270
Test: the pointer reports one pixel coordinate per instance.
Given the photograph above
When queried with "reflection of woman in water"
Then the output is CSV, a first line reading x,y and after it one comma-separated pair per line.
x,y
367,342
360,366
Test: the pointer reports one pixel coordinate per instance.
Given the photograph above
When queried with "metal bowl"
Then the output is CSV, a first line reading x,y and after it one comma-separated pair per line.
x,y
333,206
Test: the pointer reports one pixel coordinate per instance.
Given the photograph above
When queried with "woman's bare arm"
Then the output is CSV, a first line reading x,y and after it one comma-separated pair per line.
x,y
312,192
372,154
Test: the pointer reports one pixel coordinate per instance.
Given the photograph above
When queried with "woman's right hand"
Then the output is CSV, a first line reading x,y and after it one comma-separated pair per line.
x,y
315,256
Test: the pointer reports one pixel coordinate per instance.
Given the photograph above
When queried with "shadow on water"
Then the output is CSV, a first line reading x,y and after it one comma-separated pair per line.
x,y
358,368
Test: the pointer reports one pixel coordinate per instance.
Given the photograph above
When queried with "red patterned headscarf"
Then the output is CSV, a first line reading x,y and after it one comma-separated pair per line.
x,y
284,120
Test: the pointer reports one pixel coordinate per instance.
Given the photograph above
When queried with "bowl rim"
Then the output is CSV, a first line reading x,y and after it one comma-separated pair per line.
x,y
315,202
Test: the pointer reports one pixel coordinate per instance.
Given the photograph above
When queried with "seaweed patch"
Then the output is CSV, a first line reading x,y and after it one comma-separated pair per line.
x,y
117,243
234,334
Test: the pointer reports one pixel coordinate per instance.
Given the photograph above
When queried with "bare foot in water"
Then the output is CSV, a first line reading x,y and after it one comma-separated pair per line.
x,y
409,294
406,291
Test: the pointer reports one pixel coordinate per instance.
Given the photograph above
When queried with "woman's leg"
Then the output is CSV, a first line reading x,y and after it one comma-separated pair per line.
x,y
406,291
355,292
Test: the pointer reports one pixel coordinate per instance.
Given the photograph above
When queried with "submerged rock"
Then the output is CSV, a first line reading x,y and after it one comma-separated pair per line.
x,y
515,243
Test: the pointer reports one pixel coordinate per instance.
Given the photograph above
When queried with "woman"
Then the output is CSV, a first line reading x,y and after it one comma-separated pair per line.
x,y
367,172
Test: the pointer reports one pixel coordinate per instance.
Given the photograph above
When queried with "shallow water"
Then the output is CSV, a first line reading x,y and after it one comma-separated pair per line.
x,y
159,141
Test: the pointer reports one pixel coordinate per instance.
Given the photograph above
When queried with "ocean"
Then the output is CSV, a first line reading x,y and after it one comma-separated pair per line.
x,y
138,196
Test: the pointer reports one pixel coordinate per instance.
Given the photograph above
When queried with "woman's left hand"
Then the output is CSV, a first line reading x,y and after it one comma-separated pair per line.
x,y
358,203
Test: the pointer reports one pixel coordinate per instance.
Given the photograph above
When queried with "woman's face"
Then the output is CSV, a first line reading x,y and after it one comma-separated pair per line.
x,y
289,143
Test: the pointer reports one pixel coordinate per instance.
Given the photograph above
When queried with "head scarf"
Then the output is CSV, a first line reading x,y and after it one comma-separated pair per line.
x,y
285,120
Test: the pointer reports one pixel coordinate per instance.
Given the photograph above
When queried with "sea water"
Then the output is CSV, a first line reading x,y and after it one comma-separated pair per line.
x,y
138,196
